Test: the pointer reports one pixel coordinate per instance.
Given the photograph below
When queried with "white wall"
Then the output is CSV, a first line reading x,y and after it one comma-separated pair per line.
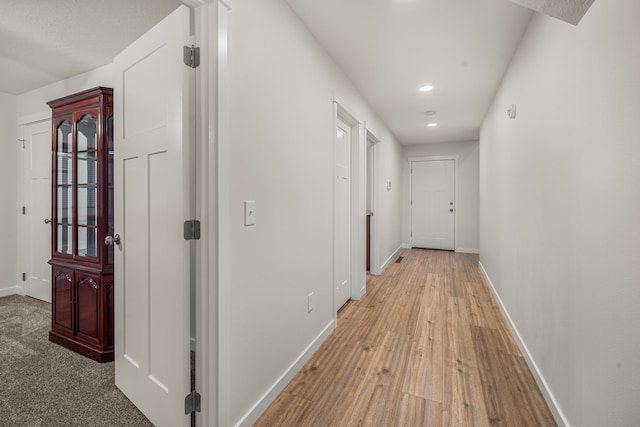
x,y
280,154
560,208
468,187
388,204
8,196
35,101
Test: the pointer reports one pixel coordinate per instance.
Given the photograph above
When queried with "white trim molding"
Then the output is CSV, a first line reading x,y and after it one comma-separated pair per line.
x,y
391,258
13,290
276,388
468,250
558,415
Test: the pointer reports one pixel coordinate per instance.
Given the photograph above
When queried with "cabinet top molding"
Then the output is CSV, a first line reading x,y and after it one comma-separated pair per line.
x,y
69,99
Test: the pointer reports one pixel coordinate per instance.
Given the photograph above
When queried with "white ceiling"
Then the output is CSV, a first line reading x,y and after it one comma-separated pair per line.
x,y
44,41
390,48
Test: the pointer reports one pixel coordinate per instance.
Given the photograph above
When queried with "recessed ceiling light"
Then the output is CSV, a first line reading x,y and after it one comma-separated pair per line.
x,y
430,113
432,125
427,88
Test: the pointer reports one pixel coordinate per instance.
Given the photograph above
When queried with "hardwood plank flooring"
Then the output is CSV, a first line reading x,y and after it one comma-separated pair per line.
x,y
426,346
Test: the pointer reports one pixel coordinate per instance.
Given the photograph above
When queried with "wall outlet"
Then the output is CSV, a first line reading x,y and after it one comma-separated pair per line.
x,y
310,302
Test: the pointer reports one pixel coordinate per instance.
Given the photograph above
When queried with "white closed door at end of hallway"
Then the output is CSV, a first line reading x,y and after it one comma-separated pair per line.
x,y
342,214
37,209
432,204
152,171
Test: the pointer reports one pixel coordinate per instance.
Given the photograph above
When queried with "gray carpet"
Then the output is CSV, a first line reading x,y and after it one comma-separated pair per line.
x,y
45,385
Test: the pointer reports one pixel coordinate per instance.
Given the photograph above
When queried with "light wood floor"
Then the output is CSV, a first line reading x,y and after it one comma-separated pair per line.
x,y
426,346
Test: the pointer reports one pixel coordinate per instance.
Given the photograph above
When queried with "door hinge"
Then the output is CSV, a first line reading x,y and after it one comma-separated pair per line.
x,y
192,56
192,230
192,403
24,210
24,277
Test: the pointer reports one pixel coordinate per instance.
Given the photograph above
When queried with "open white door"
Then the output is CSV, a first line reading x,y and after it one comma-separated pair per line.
x,y
342,214
152,173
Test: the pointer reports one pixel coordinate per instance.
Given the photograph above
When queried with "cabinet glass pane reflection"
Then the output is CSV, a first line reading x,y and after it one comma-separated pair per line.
x,y
86,196
65,168
65,234
64,182
87,205
86,133
87,168
64,137
65,205
87,242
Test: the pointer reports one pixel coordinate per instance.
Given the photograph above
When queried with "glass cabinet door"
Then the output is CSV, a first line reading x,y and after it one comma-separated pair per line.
x,y
87,186
64,189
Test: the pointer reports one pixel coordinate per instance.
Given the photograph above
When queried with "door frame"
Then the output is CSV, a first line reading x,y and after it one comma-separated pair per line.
x,y
455,159
370,137
358,198
212,285
22,201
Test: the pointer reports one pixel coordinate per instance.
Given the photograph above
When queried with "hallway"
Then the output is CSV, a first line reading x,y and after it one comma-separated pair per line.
x,y
426,346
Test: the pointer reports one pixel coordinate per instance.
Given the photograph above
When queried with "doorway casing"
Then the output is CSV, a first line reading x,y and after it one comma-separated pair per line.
x,y
358,197
371,143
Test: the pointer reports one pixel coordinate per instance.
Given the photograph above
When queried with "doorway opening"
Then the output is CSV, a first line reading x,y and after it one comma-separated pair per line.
x,y
372,264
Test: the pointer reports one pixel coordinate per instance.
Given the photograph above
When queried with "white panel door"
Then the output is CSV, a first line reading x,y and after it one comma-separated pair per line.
x,y
432,204
152,171
342,214
37,202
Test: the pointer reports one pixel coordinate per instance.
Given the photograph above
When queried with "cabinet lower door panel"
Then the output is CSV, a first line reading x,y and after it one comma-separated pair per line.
x,y
62,299
82,312
88,301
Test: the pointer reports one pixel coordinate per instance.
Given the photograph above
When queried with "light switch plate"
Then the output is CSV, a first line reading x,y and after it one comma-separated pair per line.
x,y
310,302
249,212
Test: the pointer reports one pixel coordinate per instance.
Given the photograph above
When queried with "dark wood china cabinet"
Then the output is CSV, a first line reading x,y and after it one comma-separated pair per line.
x,y
82,216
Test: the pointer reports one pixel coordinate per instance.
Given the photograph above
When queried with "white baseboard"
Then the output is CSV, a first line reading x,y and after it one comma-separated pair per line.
x,y
263,403
468,250
406,246
558,415
391,258
14,290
